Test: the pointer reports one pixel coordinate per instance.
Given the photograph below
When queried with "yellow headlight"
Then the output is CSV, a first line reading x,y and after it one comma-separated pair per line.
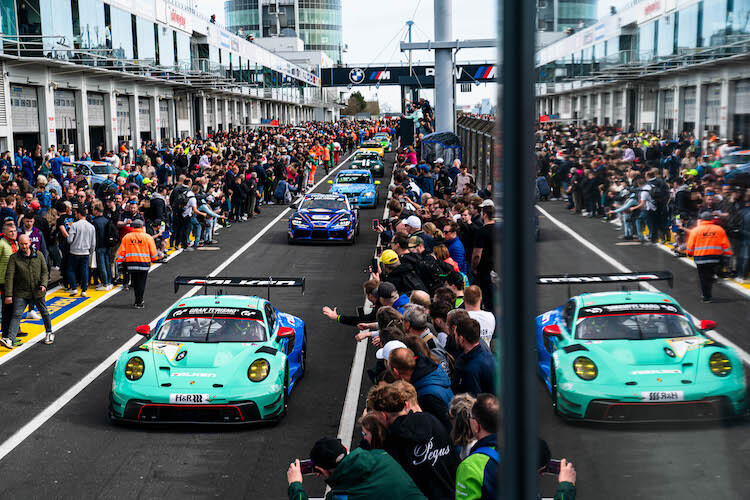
x,y
134,368
258,371
585,368
719,364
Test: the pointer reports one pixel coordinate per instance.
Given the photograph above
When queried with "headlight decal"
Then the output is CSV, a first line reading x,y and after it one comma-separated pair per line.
x,y
719,364
134,368
258,370
585,368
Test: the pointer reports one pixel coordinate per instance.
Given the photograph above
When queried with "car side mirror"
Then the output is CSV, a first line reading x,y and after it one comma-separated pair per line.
x,y
144,330
707,324
285,332
377,183
552,331
330,181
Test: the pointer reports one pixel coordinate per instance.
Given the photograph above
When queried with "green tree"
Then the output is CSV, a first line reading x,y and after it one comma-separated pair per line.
x,y
355,104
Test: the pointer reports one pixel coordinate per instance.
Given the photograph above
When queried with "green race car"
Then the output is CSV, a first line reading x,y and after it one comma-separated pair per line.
x,y
230,359
634,356
368,161
384,139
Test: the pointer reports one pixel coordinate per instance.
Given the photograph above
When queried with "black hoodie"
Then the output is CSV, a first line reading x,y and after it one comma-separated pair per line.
x,y
422,445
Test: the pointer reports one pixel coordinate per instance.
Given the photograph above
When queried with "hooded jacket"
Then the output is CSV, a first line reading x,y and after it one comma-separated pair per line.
x,y
405,279
366,474
25,274
421,444
433,387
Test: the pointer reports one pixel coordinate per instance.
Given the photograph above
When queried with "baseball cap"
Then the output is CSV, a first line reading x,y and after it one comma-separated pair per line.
x,y
136,223
34,205
707,216
487,203
147,181
389,257
454,278
415,241
327,452
439,160
385,289
413,221
156,222
385,351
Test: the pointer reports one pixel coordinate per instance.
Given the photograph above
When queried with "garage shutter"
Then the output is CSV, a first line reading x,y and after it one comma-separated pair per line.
x,y
96,109
144,114
713,104
742,97
25,108
65,109
163,113
619,106
123,116
210,103
689,104
220,112
3,111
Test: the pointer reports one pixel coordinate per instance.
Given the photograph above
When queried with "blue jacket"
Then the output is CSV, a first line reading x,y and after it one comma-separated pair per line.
x,y
475,372
477,474
433,387
458,253
400,303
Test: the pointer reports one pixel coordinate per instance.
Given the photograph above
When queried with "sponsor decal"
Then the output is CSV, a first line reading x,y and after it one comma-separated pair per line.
x,y
194,374
628,309
202,312
656,372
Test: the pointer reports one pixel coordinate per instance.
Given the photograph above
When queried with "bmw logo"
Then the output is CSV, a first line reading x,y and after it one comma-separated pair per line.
x,y
357,75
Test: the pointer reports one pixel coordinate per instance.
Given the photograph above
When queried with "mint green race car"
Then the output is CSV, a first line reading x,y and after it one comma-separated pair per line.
x,y
213,359
630,356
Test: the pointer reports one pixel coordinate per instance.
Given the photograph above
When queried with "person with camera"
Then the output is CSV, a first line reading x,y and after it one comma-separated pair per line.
x,y
361,474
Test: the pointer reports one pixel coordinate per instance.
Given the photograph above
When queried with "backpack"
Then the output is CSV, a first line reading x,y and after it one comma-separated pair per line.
x,y
450,361
111,235
180,199
659,192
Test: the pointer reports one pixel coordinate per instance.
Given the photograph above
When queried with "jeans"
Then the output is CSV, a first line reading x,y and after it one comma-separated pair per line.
x,y
197,229
627,224
640,223
19,306
104,266
78,267
209,236
743,258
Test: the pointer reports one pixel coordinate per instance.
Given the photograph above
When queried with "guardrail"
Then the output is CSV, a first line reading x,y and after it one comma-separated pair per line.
x,y
477,148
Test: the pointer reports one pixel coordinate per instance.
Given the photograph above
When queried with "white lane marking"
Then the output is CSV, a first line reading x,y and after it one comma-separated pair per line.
x,y
351,401
30,427
620,267
57,326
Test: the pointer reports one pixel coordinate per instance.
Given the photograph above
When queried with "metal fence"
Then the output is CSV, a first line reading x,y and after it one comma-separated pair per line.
x,y
477,138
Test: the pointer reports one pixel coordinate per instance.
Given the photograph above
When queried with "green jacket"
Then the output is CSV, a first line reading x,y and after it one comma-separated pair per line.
x,y
24,275
5,252
565,491
365,475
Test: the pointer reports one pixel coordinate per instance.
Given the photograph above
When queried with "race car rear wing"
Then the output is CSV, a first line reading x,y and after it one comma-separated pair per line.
x,y
239,282
596,279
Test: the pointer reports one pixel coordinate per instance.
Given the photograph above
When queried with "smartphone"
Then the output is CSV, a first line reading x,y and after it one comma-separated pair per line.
x,y
374,265
360,312
306,467
552,467
375,224
379,250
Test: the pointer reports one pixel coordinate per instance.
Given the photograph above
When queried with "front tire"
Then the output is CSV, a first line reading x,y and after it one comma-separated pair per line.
x,y
553,389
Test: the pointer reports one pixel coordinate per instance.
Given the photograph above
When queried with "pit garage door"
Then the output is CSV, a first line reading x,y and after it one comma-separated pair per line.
x,y
24,109
144,114
123,118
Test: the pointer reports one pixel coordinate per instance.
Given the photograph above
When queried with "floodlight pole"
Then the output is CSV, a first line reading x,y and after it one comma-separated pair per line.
x,y
445,107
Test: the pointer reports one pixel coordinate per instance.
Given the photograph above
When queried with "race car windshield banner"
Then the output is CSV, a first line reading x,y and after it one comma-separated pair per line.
x,y
603,278
624,309
212,312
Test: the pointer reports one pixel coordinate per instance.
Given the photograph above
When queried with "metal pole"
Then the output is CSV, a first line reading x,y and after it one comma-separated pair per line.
x,y
519,388
445,108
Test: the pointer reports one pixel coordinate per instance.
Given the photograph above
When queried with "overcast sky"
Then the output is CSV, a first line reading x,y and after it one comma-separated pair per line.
x,y
373,29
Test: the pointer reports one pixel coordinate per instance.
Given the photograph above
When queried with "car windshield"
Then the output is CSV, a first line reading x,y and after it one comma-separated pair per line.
x,y
735,159
323,204
353,179
372,145
366,156
213,324
633,326
104,169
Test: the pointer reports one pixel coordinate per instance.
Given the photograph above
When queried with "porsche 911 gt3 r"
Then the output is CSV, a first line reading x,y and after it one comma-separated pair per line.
x,y
634,356
324,217
230,359
359,187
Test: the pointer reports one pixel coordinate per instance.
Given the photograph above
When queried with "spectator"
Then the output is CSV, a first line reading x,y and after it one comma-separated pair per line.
x,y
431,382
415,323
708,245
486,320
359,475
106,238
459,413
26,281
403,277
82,241
475,367
482,260
477,474
417,440
8,246
455,247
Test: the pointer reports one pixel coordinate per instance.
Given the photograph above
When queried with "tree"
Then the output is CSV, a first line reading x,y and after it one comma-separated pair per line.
x,y
355,104
372,108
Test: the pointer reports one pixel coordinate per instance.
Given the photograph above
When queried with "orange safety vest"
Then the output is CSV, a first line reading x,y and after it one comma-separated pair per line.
x,y
317,151
708,243
326,153
137,250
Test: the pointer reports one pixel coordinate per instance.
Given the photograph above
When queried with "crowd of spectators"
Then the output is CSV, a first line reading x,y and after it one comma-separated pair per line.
x,y
178,192
431,426
658,187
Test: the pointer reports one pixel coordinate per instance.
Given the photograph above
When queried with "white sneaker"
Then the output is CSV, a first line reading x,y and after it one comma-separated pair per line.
x,y
84,294
101,288
110,286
6,343
33,315
73,292
49,338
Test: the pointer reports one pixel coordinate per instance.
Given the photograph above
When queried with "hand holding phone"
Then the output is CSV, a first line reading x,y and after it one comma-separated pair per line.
x,y
552,467
375,224
306,467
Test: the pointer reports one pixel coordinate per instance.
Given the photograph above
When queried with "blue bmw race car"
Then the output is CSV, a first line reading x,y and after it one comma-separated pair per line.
x,y
324,217
358,186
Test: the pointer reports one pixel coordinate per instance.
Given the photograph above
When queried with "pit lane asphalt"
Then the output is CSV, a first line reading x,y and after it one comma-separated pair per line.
x,y
646,460
77,454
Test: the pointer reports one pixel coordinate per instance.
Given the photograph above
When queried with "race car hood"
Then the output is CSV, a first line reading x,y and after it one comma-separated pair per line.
x,y
196,365
352,188
321,217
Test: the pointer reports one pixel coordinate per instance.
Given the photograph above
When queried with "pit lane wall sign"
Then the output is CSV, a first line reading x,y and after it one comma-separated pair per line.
x,y
399,75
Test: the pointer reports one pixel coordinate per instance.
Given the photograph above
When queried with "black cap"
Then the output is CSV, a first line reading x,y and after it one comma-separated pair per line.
x,y
327,452
455,278
384,290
